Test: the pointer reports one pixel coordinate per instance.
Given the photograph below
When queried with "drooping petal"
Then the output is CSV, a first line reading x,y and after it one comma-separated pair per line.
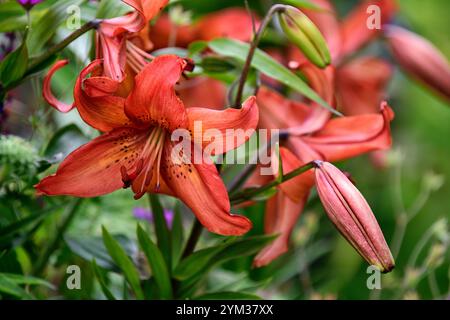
x,y
103,112
361,84
153,7
352,216
47,90
223,130
280,217
201,188
346,137
355,28
94,168
426,63
153,99
113,52
235,23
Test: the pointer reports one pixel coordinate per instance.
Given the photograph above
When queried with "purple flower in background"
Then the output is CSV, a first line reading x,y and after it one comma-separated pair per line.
x,y
28,4
145,214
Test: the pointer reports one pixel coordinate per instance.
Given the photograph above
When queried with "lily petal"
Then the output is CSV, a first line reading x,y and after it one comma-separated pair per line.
x,y
224,123
94,168
346,137
103,112
281,215
201,188
361,84
47,90
153,99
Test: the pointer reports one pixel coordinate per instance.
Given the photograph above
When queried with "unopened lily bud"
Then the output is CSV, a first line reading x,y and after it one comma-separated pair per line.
x,y
420,58
306,36
352,216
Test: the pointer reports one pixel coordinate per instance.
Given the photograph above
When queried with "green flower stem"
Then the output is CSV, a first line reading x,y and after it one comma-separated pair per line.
x,y
257,37
56,241
247,194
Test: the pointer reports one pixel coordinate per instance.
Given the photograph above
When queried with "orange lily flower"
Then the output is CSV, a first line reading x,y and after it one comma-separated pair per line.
x,y
118,47
311,135
137,148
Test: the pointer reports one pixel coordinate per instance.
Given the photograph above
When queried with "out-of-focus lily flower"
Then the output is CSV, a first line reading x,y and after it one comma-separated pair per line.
x,y
361,84
28,4
137,149
301,31
355,29
235,23
352,216
311,135
420,58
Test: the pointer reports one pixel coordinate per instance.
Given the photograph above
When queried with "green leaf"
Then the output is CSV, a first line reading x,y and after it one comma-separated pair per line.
x,y
196,262
177,237
64,141
12,17
120,257
196,47
203,260
161,229
15,64
101,281
27,280
45,27
110,9
90,248
10,287
228,295
156,261
268,66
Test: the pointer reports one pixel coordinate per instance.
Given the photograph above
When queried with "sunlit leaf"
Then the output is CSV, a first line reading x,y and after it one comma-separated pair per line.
x,y
268,66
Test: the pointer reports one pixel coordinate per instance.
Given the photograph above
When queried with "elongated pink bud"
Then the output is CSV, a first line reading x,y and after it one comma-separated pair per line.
x,y
352,216
420,58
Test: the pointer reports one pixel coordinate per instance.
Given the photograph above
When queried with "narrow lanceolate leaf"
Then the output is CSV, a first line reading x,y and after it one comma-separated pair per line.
x,y
268,66
177,238
119,256
8,286
156,261
161,228
14,66
101,281
27,280
228,295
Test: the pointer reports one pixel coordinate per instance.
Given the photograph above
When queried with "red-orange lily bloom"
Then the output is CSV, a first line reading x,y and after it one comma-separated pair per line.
x,y
116,47
311,135
137,150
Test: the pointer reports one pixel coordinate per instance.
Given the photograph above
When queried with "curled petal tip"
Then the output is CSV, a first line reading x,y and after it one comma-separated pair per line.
x,y
47,91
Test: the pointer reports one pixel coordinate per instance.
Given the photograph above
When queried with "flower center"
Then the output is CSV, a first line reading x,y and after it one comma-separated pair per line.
x,y
136,57
148,165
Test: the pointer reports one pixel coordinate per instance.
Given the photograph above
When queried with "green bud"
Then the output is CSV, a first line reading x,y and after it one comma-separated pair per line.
x,y
306,36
